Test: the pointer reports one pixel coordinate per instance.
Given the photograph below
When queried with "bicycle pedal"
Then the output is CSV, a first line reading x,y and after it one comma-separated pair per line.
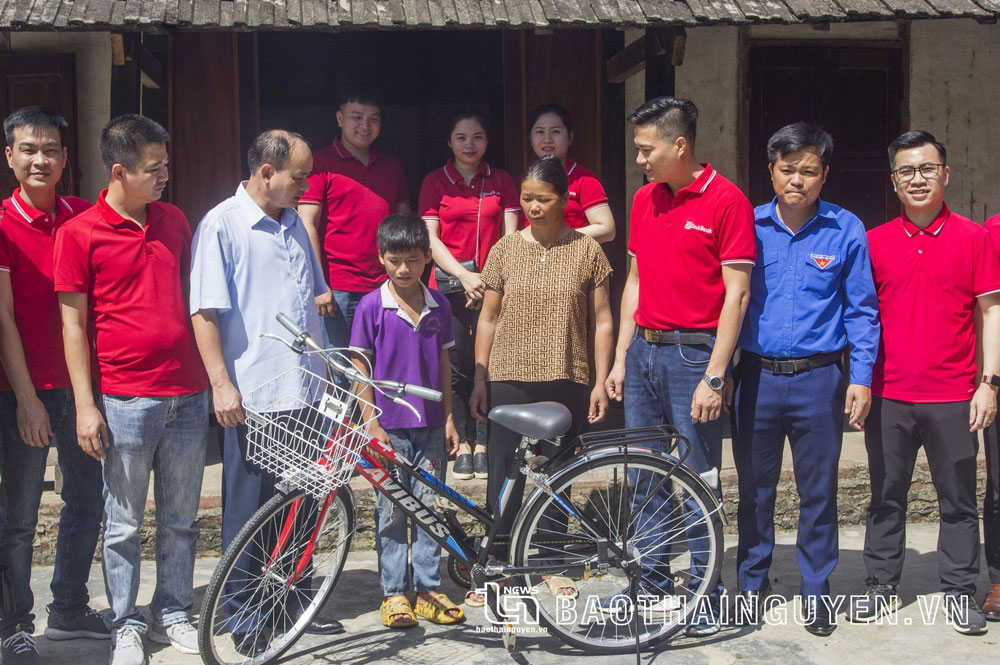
x,y
537,462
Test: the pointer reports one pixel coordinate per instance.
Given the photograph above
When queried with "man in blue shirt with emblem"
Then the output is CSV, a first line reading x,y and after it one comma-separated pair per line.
x,y
811,296
252,259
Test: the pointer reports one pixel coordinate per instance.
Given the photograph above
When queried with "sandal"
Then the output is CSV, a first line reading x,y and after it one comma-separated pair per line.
x,y
392,607
436,609
470,601
557,583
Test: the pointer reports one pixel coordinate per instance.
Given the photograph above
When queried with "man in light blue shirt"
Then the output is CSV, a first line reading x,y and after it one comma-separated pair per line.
x,y
811,297
252,259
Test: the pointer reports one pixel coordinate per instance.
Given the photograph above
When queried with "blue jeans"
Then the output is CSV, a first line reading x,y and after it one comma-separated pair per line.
x,y
660,380
338,326
166,435
22,468
808,409
424,446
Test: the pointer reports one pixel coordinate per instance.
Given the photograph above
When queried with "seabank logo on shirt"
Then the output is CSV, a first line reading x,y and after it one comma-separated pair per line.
x,y
490,193
823,260
696,227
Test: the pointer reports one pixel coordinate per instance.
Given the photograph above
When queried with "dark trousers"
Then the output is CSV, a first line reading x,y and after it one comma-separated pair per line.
x,y
894,433
808,409
463,366
991,502
503,442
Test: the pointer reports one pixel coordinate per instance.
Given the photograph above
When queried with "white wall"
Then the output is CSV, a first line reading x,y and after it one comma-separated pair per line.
x,y
955,95
93,92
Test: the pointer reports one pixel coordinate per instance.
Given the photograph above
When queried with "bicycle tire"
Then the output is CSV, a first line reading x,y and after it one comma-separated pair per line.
x,y
593,484
262,588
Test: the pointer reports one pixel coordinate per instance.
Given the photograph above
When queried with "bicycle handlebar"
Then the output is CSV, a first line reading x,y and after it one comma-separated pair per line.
x,y
352,373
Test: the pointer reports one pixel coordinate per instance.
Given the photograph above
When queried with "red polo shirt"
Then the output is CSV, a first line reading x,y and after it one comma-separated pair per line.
x,y
680,243
585,194
355,199
26,241
927,282
133,279
459,209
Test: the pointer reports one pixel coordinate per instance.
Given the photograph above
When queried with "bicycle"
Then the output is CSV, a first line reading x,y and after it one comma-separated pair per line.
x,y
638,531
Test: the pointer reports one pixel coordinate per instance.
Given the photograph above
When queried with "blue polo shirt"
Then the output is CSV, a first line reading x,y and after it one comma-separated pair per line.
x,y
404,350
248,267
812,292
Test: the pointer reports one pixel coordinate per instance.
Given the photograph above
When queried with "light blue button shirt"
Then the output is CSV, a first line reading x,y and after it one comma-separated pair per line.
x,y
248,268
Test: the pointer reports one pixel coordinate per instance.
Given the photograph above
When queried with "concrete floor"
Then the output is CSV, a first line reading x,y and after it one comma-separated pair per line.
x,y
356,598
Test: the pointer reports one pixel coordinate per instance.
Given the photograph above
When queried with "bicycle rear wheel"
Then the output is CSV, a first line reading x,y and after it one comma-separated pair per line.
x,y
265,590
600,507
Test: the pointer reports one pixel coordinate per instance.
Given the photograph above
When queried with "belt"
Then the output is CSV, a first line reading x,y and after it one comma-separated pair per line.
x,y
789,366
677,336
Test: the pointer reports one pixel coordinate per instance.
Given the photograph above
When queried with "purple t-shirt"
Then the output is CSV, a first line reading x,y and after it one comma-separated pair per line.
x,y
403,351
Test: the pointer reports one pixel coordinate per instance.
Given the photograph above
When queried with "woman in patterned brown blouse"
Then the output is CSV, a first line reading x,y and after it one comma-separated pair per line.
x,y
546,296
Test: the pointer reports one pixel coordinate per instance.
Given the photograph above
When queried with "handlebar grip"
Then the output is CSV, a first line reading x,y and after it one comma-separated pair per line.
x,y
289,324
423,393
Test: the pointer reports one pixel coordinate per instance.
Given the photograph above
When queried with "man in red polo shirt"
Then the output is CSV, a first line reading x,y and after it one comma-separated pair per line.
x,y
932,270
36,403
121,271
353,187
991,499
692,246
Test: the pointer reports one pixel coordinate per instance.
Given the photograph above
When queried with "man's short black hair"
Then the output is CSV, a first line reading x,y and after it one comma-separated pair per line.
x,y
800,136
915,139
366,96
403,232
672,116
272,147
37,117
124,138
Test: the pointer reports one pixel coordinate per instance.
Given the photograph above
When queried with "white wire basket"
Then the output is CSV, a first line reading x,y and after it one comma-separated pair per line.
x,y
300,428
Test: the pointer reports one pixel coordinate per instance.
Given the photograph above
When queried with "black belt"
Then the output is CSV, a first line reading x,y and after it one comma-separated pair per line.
x,y
789,366
681,336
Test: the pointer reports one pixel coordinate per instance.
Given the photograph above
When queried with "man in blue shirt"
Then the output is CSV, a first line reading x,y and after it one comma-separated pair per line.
x,y
252,259
811,296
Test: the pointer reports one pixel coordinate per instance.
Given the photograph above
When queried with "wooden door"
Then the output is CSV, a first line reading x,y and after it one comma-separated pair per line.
x,y
854,93
43,79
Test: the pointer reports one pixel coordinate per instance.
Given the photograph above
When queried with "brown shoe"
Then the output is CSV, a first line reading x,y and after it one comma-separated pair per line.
x,y
991,606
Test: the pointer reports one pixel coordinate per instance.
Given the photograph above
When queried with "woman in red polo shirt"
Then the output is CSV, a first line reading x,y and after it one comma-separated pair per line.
x,y
551,133
467,205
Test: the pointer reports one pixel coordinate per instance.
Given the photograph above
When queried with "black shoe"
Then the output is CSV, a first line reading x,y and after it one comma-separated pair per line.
x,y
879,599
817,614
479,466
964,614
324,627
750,605
463,469
251,644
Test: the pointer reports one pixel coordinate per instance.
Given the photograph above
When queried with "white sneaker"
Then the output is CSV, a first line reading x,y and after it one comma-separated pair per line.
x,y
180,635
126,646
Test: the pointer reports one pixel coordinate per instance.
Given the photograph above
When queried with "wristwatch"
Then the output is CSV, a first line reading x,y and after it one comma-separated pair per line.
x,y
714,382
992,379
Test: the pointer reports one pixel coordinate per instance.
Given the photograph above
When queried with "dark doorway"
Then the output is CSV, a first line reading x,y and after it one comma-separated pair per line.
x,y
45,79
854,93
423,77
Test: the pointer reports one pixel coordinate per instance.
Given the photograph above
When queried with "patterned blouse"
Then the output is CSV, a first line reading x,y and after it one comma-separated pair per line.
x,y
542,331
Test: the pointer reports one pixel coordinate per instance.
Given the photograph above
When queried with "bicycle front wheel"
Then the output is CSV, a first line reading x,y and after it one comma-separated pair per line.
x,y
274,578
610,513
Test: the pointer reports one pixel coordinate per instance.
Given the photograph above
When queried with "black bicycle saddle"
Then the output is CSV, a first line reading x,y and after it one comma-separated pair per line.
x,y
541,420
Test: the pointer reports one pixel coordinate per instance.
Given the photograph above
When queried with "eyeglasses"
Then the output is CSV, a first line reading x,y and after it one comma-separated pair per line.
x,y
906,173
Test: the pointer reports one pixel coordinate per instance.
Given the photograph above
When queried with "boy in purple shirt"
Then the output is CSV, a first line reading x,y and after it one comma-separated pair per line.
x,y
405,331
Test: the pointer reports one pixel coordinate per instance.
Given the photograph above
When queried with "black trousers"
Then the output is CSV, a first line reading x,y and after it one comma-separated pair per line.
x,y
503,442
894,433
463,365
991,502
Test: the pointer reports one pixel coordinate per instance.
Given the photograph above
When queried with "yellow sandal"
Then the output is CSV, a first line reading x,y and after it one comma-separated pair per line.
x,y
436,610
395,606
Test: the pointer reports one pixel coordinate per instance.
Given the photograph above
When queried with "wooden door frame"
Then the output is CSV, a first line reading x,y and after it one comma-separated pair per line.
x,y
743,82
